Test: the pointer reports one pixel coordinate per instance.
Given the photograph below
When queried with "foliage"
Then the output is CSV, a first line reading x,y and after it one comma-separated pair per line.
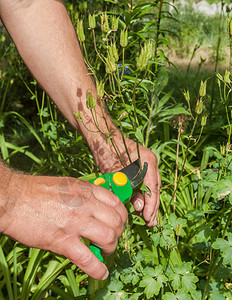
x,y
188,254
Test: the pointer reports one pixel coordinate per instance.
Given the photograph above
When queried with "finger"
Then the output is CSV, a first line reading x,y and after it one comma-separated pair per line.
x,y
101,235
138,202
111,200
81,256
150,211
109,217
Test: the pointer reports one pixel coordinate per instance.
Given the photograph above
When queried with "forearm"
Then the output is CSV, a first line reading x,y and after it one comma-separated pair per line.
x,y
5,178
46,40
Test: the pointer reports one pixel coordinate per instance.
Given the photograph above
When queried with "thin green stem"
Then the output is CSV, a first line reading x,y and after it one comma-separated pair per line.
x,y
135,116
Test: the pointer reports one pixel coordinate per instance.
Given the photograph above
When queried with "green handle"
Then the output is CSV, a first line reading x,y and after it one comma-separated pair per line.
x,y
119,184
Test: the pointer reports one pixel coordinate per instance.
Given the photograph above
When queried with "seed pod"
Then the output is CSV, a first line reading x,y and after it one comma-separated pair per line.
x,y
124,38
227,77
79,116
229,26
148,49
202,90
90,102
110,65
186,95
114,23
92,21
113,53
80,31
199,107
104,23
222,149
142,60
203,120
100,89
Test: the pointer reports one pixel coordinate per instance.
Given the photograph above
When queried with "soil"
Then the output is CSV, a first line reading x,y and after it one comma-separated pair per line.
x,y
208,64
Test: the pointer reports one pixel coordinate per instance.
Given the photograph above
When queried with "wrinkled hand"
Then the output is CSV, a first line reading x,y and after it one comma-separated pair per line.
x,y
54,213
108,161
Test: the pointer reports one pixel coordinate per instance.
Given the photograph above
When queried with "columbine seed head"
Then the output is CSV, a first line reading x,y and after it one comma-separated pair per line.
x,y
186,95
114,23
199,107
92,21
113,53
202,90
90,102
229,26
104,23
227,77
124,38
79,116
110,65
100,89
145,54
203,120
80,31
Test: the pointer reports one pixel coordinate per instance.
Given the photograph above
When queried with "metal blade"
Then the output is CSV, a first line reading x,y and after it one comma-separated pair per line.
x,y
139,178
132,170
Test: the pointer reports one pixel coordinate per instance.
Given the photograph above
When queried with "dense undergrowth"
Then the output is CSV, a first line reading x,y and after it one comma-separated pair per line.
x,y
182,115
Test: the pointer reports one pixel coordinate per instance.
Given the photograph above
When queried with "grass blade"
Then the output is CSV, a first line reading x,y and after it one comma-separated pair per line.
x,y
6,273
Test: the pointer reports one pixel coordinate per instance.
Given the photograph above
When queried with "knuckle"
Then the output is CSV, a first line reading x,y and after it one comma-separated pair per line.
x,y
110,237
117,221
114,201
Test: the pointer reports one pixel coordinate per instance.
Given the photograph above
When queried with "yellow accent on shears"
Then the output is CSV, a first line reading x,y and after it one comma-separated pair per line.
x,y
99,181
119,178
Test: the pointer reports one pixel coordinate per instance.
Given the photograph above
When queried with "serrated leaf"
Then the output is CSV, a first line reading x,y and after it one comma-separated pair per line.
x,y
216,296
220,244
169,296
188,282
135,296
182,295
149,271
156,239
152,287
175,281
227,255
115,285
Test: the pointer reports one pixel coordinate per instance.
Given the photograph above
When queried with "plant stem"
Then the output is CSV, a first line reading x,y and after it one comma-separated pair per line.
x,y
136,117
176,172
158,28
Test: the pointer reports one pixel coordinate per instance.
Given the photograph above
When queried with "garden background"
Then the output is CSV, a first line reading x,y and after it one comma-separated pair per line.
x,y
177,61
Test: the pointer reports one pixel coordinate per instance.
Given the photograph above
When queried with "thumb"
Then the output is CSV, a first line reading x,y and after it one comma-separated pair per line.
x,y
80,255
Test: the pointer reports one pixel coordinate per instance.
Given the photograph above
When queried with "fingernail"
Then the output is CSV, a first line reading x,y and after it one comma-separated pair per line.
x,y
106,275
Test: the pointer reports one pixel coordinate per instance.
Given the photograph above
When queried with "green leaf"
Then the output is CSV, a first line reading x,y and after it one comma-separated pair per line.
x,y
175,281
220,244
188,282
227,255
182,295
152,287
169,296
139,135
115,285
149,271
145,188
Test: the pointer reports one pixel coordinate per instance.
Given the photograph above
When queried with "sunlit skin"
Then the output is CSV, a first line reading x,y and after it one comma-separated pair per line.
x,y
55,213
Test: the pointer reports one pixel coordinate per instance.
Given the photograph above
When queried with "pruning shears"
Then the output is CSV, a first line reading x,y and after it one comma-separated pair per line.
x,y
123,184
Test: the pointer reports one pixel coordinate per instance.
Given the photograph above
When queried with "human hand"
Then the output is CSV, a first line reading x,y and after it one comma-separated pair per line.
x,y
54,213
108,161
